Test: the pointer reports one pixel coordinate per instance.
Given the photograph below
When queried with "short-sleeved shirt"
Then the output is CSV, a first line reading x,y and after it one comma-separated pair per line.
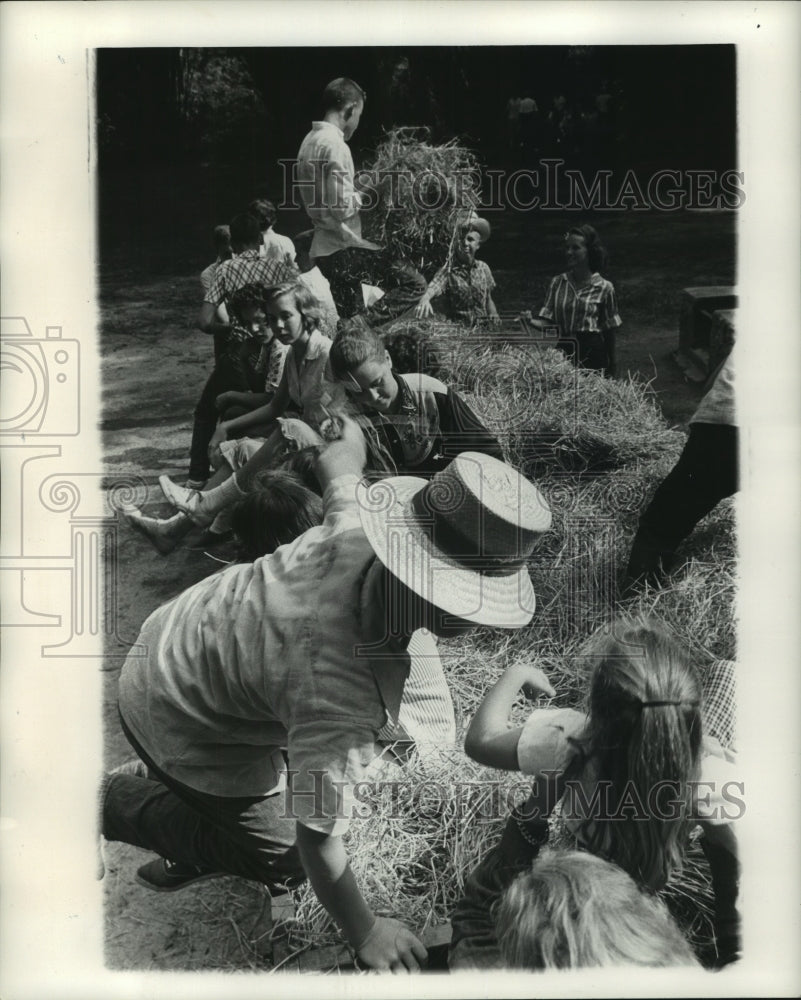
x,y
309,383
289,651
207,275
717,406
466,290
433,425
244,269
270,363
588,309
277,245
551,739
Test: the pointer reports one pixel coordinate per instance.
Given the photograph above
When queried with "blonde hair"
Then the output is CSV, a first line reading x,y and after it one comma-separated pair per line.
x,y
644,734
306,302
574,910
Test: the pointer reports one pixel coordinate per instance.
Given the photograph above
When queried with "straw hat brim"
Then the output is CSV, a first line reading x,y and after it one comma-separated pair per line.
x,y
403,545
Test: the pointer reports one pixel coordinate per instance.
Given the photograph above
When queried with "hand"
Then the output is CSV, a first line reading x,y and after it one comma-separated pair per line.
x,y
531,679
423,308
215,456
391,945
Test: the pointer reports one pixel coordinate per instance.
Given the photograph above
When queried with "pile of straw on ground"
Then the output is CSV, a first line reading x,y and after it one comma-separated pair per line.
x,y
422,192
597,449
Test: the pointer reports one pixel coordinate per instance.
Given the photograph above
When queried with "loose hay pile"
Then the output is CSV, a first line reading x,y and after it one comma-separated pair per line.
x,y
421,193
597,449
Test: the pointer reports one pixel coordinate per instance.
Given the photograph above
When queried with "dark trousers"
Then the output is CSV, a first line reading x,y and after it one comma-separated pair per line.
x,y
705,474
590,350
347,269
245,836
234,371
203,427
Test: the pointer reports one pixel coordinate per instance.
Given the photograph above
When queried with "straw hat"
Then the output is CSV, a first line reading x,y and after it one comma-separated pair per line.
x,y
461,539
476,224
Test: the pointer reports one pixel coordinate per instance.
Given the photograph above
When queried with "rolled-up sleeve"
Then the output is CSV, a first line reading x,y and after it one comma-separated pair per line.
x,y
609,318
548,309
327,761
339,197
547,740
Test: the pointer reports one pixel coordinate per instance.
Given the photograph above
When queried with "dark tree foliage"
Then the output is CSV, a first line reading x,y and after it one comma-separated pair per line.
x,y
156,104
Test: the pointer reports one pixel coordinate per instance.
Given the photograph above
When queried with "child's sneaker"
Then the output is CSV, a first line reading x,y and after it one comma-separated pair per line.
x,y
164,875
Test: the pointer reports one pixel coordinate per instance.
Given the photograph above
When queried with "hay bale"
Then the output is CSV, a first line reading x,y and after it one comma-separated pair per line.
x,y
422,192
551,416
597,449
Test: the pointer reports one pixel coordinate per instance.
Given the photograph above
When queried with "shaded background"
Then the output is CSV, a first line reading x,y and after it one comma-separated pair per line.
x,y
186,137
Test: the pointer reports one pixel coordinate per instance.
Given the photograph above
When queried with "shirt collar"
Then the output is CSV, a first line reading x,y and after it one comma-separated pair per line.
x,y
318,126
246,255
595,279
408,399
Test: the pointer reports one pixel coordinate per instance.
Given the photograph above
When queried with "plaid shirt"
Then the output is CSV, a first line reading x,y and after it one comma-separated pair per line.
x,y
244,269
468,288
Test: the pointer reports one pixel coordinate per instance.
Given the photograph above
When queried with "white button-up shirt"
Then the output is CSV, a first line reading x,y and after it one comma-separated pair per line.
x,y
325,176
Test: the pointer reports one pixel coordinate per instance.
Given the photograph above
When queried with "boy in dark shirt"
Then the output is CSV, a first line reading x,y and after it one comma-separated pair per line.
x,y
422,422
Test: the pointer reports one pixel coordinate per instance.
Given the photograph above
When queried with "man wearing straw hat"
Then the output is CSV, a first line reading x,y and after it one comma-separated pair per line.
x,y
277,676
326,182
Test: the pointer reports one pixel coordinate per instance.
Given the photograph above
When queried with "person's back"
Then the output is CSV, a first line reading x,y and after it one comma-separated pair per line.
x,y
273,244
597,774
237,652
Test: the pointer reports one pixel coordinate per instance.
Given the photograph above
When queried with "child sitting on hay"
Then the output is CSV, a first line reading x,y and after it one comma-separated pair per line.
x,y
257,362
422,423
463,285
619,781
303,392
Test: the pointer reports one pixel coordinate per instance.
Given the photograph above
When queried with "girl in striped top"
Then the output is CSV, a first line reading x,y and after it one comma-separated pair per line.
x,y
583,304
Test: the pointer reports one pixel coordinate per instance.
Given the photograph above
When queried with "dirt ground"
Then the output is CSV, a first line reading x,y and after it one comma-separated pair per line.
x,y
154,363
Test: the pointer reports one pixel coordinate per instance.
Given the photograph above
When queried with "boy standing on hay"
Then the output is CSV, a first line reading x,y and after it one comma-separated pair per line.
x,y
327,188
277,676
464,284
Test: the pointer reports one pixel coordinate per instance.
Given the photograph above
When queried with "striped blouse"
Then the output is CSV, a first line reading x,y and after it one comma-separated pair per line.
x,y
588,309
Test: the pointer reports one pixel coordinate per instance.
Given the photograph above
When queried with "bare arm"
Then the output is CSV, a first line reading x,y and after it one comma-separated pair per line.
x,y
382,943
344,456
209,319
262,414
489,739
248,399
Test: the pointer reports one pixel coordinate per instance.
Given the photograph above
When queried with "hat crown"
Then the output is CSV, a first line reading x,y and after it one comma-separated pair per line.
x,y
480,507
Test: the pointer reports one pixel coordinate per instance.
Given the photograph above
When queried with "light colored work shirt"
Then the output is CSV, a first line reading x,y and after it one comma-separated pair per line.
x,y
325,176
311,390
289,651
276,245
